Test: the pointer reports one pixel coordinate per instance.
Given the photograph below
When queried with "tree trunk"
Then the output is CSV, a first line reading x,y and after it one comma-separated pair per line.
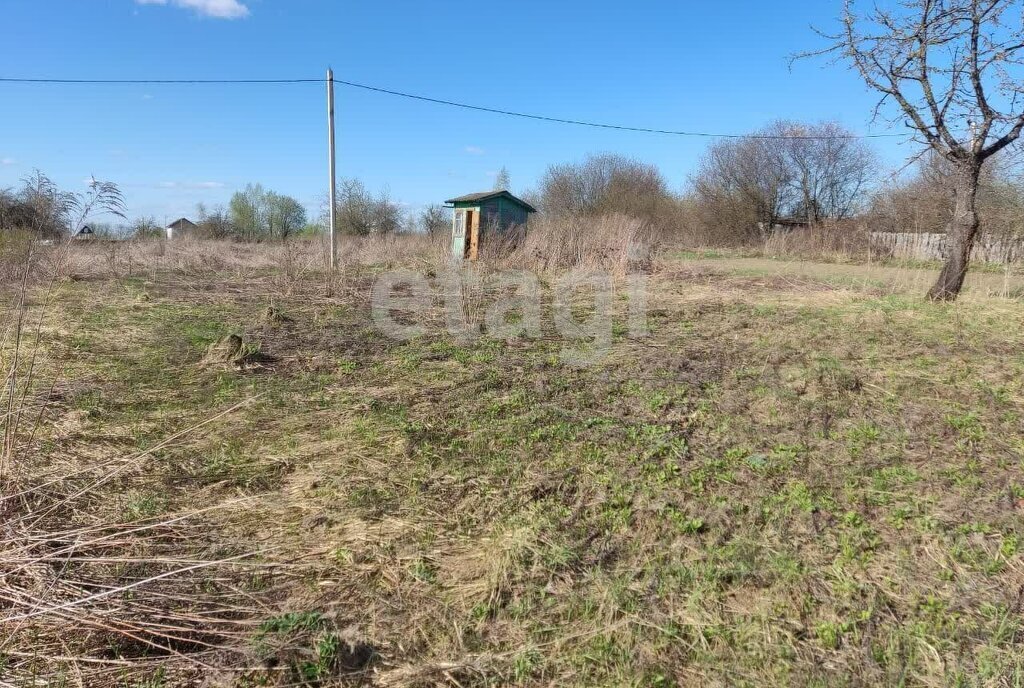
x,y
963,227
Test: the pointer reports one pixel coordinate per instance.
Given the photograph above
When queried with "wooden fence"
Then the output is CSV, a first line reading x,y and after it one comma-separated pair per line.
x,y
932,246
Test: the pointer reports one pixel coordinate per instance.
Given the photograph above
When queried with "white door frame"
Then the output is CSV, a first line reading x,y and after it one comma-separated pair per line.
x,y
459,234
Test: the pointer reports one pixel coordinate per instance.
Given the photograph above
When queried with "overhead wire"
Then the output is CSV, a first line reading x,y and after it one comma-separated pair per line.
x,y
451,103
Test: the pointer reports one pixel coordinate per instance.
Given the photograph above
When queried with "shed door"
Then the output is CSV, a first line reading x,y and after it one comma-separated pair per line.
x,y
459,235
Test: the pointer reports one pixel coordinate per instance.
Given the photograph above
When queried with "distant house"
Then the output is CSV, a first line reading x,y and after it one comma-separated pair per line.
x,y
478,215
85,234
181,228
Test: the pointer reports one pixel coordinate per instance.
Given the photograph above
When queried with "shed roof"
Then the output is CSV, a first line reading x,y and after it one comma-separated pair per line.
x,y
182,223
487,195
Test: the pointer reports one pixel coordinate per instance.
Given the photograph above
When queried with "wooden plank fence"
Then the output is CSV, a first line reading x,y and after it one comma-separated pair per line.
x,y
932,246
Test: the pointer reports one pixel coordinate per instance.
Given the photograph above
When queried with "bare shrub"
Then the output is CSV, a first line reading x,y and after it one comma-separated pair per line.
x,y
831,240
614,243
15,247
435,219
812,172
738,191
606,185
361,213
214,223
924,202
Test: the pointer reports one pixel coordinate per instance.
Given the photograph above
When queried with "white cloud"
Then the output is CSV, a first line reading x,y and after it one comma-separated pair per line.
x,y
474,150
220,9
8,161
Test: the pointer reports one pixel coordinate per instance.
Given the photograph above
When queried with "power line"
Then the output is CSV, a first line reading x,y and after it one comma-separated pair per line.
x,y
450,103
600,125
159,82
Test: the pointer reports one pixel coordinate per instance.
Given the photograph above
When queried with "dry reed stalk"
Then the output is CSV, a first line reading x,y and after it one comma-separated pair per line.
x,y
616,244
73,586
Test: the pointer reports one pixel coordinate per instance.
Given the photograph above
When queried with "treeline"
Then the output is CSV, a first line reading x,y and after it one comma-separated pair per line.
x,y
259,214
742,192
788,171
746,189
253,214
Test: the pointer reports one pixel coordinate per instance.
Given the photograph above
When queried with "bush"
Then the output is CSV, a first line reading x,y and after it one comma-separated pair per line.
x,y
605,185
814,172
613,243
15,250
828,240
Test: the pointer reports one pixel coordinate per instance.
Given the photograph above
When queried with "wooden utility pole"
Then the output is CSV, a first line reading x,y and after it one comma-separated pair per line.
x,y
331,156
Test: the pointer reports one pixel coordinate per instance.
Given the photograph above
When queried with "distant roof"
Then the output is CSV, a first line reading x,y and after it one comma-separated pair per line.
x,y
182,222
486,195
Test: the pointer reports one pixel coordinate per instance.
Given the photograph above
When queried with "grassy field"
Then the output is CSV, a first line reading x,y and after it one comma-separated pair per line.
x,y
803,476
895,276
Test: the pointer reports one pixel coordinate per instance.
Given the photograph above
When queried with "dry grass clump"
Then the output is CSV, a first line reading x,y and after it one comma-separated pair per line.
x,y
15,248
613,243
396,250
831,240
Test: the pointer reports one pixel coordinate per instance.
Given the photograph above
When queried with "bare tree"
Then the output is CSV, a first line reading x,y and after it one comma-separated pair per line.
x,y
216,222
924,202
828,168
360,213
604,184
145,228
740,189
810,171
952,67
435,219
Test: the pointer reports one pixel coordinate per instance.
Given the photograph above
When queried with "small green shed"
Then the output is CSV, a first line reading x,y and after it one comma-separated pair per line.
x,y
478,215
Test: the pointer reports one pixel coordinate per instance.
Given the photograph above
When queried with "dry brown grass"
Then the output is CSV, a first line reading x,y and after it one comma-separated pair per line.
x,y
616,244
78,573
842,240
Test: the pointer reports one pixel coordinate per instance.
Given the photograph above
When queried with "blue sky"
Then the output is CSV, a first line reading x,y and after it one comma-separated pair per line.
x,y
670,64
